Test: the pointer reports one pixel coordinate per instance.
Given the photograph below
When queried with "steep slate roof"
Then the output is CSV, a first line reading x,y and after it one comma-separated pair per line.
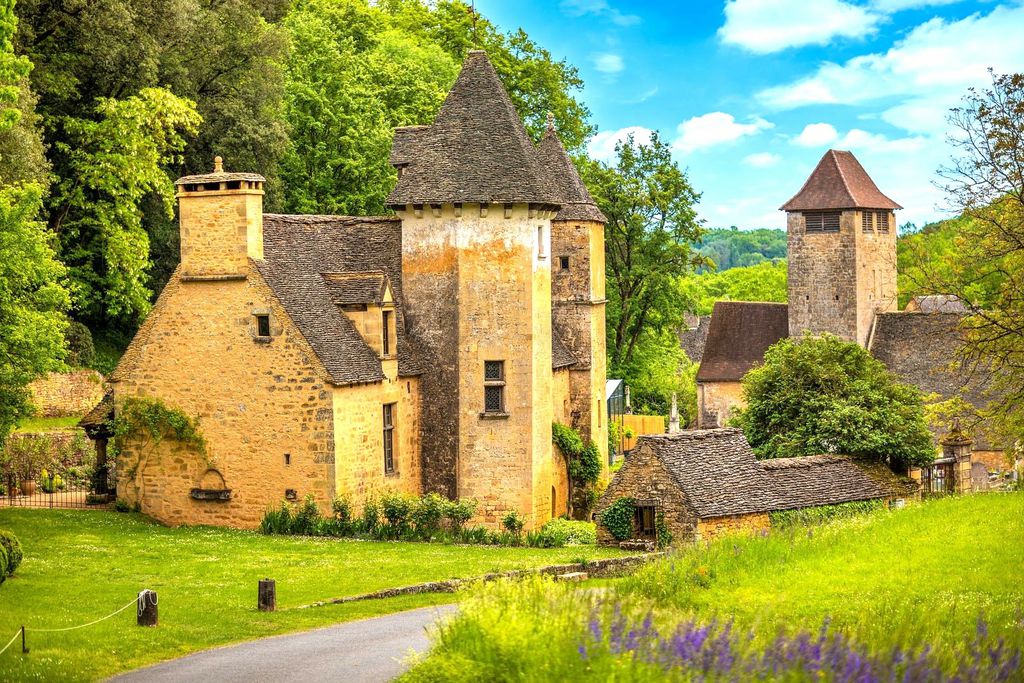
x,y
577,204
921,349
739,334
839,182
937,303
300,250
476,150
715,469
561,356
356,288
829,479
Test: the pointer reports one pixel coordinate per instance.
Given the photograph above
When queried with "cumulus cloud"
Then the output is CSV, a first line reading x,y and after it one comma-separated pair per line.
x,y
608,63
892,6
599,8
602,145
761,159
816,134
764,26
930,69
714,128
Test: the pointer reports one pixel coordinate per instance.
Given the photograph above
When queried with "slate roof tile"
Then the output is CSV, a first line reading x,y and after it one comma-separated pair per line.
x,y
839,182
738,335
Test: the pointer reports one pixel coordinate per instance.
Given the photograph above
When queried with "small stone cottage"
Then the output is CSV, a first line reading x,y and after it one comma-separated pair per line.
x,y
708,482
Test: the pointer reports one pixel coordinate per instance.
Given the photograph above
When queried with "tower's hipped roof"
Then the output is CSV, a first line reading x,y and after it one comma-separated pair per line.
x,y
476,150
839,182
577,204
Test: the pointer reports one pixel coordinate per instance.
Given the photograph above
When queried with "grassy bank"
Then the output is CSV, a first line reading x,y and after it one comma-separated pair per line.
x,y
80,565
885,586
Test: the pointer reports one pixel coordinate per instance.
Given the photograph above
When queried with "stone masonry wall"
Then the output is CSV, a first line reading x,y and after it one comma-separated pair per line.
x,y
66,394
643,478
716,402
220,231
876,274
264,408
714,527
822,282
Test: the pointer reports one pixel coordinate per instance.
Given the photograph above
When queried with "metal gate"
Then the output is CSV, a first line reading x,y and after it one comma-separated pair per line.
x,y
37,472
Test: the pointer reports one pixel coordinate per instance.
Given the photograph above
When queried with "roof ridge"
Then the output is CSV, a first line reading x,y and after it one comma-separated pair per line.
x,y
842,174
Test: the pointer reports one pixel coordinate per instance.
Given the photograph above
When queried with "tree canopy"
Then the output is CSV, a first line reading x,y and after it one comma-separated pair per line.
x,y
735,248
765,281
818,395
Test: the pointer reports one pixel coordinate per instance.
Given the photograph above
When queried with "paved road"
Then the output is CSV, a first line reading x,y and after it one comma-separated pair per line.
x,y
363,651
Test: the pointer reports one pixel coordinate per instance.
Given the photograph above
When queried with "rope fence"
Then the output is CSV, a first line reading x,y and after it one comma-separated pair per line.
x,y
145,601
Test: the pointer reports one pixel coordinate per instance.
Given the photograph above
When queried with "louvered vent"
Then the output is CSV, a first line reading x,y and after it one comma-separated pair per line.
x,y
822,221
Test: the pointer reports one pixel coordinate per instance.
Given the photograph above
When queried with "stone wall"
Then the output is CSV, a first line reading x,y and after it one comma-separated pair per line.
x,y
478,288
67,394
822,280
265,408
693,339
716,402
644,478
876,273
220,231
714,527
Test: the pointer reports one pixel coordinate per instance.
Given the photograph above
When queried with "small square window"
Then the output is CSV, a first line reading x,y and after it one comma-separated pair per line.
x,y
263,325
563,262
493,399
494,370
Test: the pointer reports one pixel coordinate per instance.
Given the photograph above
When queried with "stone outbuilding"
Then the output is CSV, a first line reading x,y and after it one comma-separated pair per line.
x,y
709,482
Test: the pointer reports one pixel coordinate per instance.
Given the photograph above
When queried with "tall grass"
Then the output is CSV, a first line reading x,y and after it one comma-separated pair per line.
x,y
929,593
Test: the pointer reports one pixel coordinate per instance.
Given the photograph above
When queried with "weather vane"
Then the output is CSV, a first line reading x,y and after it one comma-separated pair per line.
x,y
473,17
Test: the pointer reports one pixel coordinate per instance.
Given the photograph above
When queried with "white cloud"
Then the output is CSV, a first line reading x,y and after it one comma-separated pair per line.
x,y
929,70
891,6
608,63
761,159
816,135
713,129
600,8
764,26
602,145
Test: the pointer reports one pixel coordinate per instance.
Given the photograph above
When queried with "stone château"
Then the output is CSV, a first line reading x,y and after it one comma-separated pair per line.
x,y
426,351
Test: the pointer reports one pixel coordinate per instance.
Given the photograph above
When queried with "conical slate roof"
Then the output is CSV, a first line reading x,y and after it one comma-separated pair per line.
x,y
839,182
577,204
476,150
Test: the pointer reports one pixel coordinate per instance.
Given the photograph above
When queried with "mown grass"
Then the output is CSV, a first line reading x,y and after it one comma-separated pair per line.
x,y
906,579
48,424
80,565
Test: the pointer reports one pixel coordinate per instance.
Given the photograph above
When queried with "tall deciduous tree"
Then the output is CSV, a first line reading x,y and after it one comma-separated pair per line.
x,y
818,395
32,300
652,225
984,262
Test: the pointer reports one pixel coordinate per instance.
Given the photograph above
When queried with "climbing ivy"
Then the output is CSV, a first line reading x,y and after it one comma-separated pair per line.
x,y
664,536
582,462
618,518
147,422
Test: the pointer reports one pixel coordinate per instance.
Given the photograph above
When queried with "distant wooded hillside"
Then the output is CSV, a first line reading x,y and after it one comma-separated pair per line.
x,y
735,248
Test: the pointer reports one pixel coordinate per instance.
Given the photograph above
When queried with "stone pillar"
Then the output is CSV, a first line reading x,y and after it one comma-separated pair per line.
x,y
959,447
673,416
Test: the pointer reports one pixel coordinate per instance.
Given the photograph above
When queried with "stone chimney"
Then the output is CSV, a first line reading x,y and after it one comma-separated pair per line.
x,y
673,416
959,447
221,221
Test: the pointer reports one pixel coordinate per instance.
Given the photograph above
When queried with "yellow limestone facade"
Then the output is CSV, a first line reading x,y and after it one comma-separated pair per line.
x,y
343,356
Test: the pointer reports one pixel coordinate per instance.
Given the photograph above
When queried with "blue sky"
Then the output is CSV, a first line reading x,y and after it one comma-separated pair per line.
x,y
751,93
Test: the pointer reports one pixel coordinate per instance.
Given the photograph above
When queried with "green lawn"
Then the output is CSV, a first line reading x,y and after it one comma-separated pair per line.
x,y
80,565
48,424
910,578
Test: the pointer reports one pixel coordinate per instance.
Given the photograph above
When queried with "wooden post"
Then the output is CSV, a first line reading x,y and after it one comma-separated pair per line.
x,y
267,600
147,611
24,646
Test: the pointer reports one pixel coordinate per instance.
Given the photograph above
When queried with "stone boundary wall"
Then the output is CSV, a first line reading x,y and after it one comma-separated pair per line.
x,y
66,394
612,566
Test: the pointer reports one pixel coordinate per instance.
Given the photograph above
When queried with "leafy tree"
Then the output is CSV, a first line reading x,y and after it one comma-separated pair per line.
x,y
660,368
113,163
824,395
765,281
651,227
982,259
32,302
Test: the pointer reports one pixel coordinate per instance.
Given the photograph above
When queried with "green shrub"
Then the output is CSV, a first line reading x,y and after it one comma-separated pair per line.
x,y
513,523
459,512
120,505
396,508
664,536
307,520
618,518
277,520
427,513
559,532
824,513
3,564
371,515
343,520
81,350
12,548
